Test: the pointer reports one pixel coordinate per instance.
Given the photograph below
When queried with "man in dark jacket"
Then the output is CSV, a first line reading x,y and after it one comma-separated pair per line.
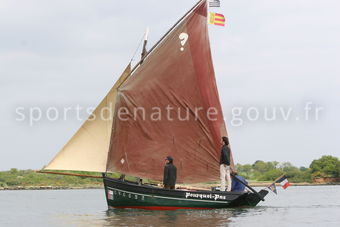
x,y
170,174
225,165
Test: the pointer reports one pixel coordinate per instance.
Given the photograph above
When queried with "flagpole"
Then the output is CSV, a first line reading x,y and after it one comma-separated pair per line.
x,y
279,177
275,180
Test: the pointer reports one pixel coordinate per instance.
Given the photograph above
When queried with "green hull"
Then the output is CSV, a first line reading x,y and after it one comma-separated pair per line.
x,y
121,194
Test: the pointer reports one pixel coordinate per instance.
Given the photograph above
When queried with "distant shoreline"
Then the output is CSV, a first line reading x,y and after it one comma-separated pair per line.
x,y
18,188
15,179
206,186
295,184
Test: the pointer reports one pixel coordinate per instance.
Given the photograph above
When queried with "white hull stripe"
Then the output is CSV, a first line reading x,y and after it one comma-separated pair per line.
x,y
162,197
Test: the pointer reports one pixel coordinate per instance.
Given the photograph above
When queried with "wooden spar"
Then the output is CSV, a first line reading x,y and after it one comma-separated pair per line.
x,y
68,174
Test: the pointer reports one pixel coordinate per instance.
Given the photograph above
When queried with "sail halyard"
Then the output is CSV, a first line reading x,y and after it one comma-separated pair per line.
x,y
185,79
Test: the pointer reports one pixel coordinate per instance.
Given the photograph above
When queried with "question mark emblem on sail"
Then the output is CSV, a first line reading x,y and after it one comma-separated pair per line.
x,y
183,37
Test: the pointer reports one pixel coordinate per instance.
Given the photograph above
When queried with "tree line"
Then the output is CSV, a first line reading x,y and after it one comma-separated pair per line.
x,y
326,166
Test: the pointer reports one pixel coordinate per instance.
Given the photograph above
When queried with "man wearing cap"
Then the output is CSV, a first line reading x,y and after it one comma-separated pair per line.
x,y
225,165
170,173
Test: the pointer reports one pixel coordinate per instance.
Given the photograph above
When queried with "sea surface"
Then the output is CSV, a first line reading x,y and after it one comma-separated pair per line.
x,y
295,206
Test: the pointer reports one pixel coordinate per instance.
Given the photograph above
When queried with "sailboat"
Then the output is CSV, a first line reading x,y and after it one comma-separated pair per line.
x,y
177,74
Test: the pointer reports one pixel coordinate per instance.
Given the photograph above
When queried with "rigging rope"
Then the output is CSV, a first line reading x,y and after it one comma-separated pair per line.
x,y
140,43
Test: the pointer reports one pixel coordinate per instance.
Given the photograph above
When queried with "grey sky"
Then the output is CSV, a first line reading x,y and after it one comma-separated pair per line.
x,y
270,54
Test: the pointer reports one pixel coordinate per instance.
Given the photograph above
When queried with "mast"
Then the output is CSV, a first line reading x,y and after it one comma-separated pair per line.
x,y
144,51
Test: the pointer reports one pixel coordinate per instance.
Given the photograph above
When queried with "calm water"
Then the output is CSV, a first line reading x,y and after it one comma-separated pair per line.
x,y
296,206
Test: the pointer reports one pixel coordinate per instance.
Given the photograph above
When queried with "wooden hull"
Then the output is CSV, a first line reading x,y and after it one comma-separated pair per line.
x,y
122,194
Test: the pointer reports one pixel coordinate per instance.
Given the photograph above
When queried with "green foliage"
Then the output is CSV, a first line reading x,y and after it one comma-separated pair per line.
x,y
271,175
245,170
326,166
24,178
269,171
27,178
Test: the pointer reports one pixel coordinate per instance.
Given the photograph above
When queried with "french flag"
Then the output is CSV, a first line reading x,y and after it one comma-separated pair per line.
x,y
284,182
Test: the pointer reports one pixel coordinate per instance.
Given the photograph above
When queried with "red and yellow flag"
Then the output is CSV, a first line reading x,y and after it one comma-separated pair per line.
x,y
217,19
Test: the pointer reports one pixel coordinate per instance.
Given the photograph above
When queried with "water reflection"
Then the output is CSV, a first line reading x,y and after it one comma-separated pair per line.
x,y
298,206
134,217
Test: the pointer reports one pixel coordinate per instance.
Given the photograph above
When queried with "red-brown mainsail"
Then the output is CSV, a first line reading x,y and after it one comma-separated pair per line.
x,y
179,80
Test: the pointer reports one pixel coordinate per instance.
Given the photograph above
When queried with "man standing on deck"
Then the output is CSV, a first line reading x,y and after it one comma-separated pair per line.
x,y
170,174
225,165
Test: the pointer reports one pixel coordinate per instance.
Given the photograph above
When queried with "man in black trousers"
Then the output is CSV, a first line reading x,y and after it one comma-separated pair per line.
x,y
170,174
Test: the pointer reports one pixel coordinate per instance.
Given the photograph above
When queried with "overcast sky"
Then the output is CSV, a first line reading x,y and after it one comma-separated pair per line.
x,y
271,54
